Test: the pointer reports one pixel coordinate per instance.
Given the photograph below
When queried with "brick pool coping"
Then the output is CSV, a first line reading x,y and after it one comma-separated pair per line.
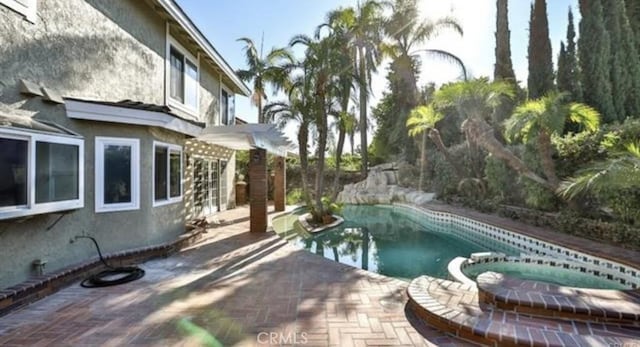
x,y
453,308
594,248
545,299
36,288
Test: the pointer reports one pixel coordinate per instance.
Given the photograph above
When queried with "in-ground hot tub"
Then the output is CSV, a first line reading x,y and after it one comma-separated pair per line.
x,y
560,272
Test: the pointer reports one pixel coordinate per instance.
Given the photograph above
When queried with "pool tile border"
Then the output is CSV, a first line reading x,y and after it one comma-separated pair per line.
x,y
477,231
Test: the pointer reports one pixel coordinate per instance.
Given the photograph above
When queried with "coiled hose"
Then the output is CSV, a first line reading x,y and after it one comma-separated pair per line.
x,y
123,274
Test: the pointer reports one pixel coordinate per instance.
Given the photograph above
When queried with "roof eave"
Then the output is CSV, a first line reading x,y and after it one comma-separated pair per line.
x,y
181,18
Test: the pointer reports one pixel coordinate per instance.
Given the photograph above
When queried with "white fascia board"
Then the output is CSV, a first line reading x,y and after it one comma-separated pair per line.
x,y
124,115
178,15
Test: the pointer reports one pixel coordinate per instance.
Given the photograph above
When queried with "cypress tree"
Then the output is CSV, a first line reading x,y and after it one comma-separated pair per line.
x,y
568,78
540,80
633,14
594,57
503,69
620,82
563,76
631,59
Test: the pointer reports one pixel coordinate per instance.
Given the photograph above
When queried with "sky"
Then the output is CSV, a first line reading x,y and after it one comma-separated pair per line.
x,y
223,22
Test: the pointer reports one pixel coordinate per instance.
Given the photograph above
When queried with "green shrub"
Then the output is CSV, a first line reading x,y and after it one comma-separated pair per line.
x,y
294,196
625,204
502,182
535,195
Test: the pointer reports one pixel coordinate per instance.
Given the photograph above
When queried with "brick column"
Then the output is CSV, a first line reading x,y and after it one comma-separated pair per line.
x,y
258,190
279,183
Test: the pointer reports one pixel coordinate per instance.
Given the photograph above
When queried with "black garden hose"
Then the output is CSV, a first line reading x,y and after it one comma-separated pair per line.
x,y
124,273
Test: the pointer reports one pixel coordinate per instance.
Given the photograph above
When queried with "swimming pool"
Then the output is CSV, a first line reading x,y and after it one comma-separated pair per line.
x,y
405,242
385,240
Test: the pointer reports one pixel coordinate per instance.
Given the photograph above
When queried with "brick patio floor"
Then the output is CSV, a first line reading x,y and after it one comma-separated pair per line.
x,y
228,289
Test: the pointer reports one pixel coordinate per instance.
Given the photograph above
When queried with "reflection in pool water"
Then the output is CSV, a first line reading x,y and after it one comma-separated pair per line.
x,y
384,240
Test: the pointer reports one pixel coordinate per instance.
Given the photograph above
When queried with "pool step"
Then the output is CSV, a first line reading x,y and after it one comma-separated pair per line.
x,y
549,300
455,308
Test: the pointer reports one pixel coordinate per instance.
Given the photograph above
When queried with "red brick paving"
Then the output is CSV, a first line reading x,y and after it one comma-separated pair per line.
x,y
229,288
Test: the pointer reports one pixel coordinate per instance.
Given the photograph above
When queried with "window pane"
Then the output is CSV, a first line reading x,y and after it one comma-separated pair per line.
x,y
191,85
13,172
176,75
175,174
56,172
161,173
232,109
117,174
224,108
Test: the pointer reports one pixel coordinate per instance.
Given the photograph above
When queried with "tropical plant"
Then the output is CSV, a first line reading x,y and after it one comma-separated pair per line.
x,y
422,121
539,120
263,70
406,31
620,172
364,27
476,100
299,109
339,23
318,68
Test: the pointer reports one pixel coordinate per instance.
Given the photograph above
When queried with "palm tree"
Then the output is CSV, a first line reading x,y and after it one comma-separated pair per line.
x,y
263,70
619,173
363,27
298,109
476,100
344,124
318,69
539,120
339,23
406,32
423,120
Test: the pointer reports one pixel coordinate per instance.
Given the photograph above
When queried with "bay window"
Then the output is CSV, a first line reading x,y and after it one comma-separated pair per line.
x,y
117,174
39,173
167,173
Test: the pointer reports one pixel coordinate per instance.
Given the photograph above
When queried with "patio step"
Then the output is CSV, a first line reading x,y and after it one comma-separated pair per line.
x,y
454,308
546,299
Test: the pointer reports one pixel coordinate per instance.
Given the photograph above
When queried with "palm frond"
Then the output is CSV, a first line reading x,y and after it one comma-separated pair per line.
x,y
446,56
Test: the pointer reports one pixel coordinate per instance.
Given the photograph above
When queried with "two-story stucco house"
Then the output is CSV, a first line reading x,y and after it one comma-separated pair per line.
x,y
100,104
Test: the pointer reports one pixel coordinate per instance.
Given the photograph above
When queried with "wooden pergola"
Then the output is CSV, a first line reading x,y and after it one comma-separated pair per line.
x,y
258,139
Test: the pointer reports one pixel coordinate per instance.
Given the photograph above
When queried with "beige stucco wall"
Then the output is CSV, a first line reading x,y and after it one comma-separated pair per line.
x,y
106,50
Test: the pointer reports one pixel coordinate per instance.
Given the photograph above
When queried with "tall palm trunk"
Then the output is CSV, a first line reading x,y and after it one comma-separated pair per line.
x,y
363,112
339,148
303,138
423,159
321,123
260,115
352,141
546,159
482,133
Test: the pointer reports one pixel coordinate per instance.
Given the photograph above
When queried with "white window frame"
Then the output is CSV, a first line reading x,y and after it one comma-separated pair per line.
x,y
27,8
195,60
170,148
100,144
230,96
31,207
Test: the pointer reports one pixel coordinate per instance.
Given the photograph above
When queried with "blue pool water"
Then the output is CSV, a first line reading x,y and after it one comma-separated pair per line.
x,y
387,240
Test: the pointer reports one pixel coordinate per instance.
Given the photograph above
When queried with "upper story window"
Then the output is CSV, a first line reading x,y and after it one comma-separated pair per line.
x,y
183,77
117,171
27,8
39,173
227,108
